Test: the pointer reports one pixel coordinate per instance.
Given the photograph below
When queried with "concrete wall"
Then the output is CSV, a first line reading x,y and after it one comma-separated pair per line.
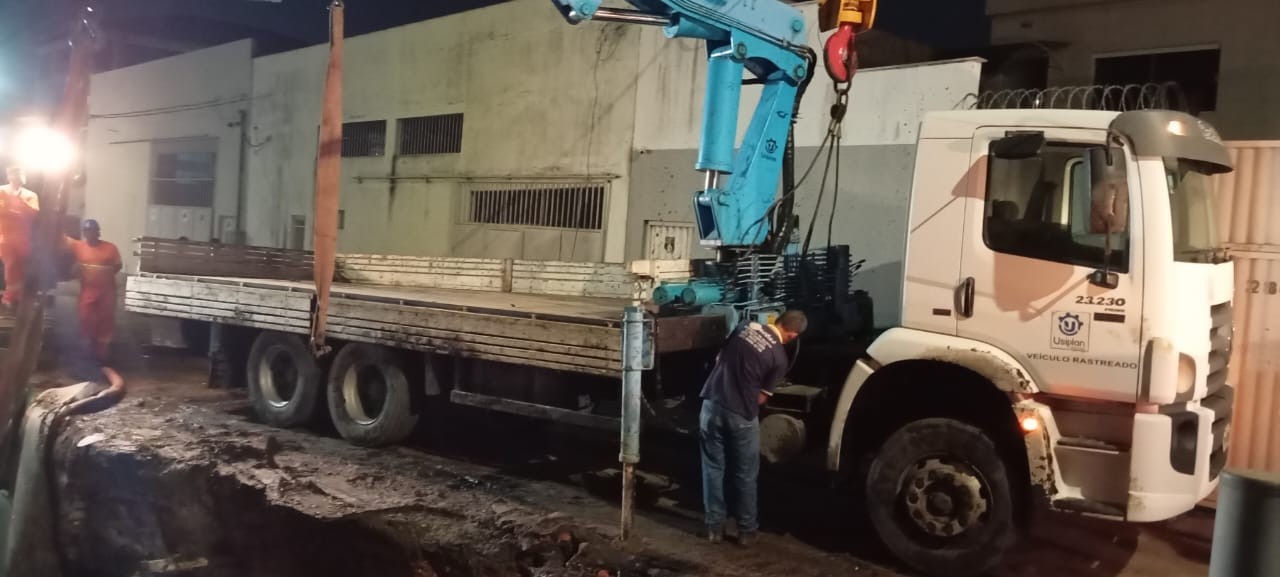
x,y
198,95
876,159
541,100
1244,30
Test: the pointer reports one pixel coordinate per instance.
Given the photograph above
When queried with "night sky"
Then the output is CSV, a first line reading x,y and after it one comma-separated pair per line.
x,y
945,24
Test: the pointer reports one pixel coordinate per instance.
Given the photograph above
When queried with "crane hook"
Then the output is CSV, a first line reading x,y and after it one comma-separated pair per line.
x,y
841,54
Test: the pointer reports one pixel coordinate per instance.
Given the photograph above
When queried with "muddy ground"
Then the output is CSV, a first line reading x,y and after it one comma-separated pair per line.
x,y
177,480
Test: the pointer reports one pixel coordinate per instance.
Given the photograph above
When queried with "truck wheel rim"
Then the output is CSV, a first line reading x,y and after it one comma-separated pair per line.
x,y
278,377
364,393
943,498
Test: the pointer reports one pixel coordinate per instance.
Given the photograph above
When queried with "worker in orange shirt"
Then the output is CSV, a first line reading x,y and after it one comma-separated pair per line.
x,y
18,209
97,262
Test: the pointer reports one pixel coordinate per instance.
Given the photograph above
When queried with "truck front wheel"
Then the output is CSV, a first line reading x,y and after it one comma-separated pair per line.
x,y
284,380
369,396
939,497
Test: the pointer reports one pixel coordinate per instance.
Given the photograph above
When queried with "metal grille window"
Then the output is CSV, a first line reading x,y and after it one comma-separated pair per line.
x,y
368,138
440,134
572,206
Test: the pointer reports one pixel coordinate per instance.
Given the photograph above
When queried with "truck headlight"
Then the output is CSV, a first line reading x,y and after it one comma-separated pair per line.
x,y
1186,375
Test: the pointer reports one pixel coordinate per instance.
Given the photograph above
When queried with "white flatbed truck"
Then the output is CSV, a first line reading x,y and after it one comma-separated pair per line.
x,y
1064,337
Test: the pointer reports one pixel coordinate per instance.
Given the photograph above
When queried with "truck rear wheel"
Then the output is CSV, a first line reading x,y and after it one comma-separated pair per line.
x,y
370,400
284,380
939,497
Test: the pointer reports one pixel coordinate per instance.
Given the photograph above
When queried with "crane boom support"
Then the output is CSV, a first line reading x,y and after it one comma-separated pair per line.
x,y
764,38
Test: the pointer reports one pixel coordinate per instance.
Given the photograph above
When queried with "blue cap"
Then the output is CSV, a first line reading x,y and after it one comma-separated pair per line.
x,y
89,224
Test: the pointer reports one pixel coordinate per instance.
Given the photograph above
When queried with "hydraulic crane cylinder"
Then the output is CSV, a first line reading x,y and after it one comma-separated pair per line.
x,y
702,294
1246,532
668,293
720,112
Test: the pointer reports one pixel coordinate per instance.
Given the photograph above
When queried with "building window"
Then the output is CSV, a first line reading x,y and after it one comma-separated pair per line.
x,y
183,173
566,206
1194,71
368,138
440,134
297,232
1040,208
342,219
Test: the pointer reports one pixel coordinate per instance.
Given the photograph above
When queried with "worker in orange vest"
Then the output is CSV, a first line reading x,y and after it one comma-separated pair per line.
x,y
18,209
96,262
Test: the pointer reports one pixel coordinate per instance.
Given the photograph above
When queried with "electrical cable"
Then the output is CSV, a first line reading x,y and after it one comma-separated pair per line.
x,y
173,109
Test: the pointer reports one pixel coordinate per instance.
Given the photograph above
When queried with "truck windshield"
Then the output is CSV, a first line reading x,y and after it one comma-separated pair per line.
x,y
1195,236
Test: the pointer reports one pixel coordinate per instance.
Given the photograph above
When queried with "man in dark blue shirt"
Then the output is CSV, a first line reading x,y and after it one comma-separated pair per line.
x,y
746,372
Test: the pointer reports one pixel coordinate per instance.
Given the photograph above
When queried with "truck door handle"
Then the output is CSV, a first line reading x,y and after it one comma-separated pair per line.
x,y
964,298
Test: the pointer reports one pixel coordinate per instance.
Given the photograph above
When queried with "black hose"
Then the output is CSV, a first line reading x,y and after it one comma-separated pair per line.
x,y
782,218
822,189
101,401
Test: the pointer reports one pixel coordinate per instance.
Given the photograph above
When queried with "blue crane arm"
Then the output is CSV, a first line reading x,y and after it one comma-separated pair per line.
x,y
763,37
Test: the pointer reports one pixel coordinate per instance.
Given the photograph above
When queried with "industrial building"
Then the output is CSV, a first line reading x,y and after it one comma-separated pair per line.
x,y
1221,54
465,140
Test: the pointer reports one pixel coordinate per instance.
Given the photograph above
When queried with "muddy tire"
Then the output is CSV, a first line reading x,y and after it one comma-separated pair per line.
x,y
285,380
370,400
939,497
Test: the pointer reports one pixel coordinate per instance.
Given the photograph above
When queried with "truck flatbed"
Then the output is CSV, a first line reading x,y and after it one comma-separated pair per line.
x,y
588,310
563,332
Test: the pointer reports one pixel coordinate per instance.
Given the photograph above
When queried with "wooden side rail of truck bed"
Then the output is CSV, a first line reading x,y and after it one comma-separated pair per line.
x,y
575,334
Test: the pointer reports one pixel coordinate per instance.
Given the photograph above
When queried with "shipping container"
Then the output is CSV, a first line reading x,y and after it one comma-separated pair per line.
x,y
1249,225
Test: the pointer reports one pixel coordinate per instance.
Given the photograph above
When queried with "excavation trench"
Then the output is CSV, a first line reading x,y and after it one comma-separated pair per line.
x,y
171,490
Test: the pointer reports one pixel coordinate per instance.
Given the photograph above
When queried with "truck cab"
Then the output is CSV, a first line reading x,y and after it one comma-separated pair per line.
x,y
1065,332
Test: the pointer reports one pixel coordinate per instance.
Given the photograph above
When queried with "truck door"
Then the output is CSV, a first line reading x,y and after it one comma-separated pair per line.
x,y
1028,255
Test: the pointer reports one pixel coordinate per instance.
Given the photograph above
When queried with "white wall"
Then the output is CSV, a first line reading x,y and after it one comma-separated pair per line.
x,y
195,95
1244,30
535,102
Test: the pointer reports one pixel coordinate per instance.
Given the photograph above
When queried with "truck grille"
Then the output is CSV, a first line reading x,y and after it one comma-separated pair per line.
x,y
1219,346
1221,395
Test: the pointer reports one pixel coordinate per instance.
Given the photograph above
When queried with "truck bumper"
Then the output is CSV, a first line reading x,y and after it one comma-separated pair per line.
x,y
1178,454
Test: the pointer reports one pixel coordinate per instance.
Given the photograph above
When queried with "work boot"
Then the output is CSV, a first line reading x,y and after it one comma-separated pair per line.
x,y
748,538
714,535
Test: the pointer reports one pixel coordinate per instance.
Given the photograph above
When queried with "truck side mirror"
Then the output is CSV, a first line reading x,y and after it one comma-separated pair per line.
x,y
1018,145
1108,206
1109,191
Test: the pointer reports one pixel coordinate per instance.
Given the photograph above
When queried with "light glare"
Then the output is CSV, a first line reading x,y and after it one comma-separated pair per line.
x,y
1030,424
42,149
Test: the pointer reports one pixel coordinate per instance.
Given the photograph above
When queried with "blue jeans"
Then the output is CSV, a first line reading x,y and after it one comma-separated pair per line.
x,y
729,442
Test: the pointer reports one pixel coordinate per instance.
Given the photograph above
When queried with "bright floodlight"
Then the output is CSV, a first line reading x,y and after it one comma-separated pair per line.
x,y
42,149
